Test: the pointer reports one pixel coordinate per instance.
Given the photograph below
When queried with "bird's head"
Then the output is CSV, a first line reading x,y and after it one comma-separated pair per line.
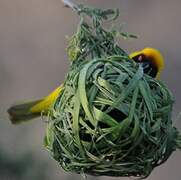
x,y
151,60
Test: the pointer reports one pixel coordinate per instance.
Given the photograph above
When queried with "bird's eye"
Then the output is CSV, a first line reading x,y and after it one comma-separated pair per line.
x,y
139,58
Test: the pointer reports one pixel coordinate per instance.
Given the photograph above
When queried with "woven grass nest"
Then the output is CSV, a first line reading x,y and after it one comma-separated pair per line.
x,y
110,119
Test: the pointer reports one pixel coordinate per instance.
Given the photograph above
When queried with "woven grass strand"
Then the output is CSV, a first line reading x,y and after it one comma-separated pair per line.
x,y
111,119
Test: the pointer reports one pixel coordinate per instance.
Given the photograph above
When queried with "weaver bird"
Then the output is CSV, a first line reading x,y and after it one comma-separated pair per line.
x,y
150,59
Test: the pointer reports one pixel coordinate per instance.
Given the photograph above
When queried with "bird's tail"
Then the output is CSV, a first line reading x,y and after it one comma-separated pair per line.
x,y
29,110
23,112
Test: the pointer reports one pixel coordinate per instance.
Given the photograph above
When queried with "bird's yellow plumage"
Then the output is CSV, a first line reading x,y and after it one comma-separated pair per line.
x,y
27,111
32,109
45,104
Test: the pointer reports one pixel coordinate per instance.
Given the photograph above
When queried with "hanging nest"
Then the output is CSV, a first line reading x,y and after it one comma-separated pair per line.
x,y
110,119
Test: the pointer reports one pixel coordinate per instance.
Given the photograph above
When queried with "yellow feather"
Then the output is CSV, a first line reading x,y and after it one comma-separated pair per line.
x,y
26,111
47,102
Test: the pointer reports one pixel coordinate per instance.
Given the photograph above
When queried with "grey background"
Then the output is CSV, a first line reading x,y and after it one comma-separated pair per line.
x,y
33,62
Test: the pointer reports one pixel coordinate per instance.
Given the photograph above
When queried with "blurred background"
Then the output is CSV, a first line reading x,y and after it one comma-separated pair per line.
x,y
33,62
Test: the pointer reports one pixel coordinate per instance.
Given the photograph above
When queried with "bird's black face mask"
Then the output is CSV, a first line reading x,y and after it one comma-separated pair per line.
x,y
148,66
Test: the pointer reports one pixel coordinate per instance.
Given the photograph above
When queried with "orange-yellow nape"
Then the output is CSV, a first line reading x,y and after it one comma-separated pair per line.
x,y
151,57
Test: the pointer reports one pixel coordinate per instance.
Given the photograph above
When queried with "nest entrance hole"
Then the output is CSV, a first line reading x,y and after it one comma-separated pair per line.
x,y
115,114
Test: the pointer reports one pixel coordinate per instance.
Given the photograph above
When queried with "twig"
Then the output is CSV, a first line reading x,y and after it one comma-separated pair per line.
x,y
70,4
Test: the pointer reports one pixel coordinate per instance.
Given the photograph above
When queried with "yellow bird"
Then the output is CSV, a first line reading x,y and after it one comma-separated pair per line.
x,y
151,60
